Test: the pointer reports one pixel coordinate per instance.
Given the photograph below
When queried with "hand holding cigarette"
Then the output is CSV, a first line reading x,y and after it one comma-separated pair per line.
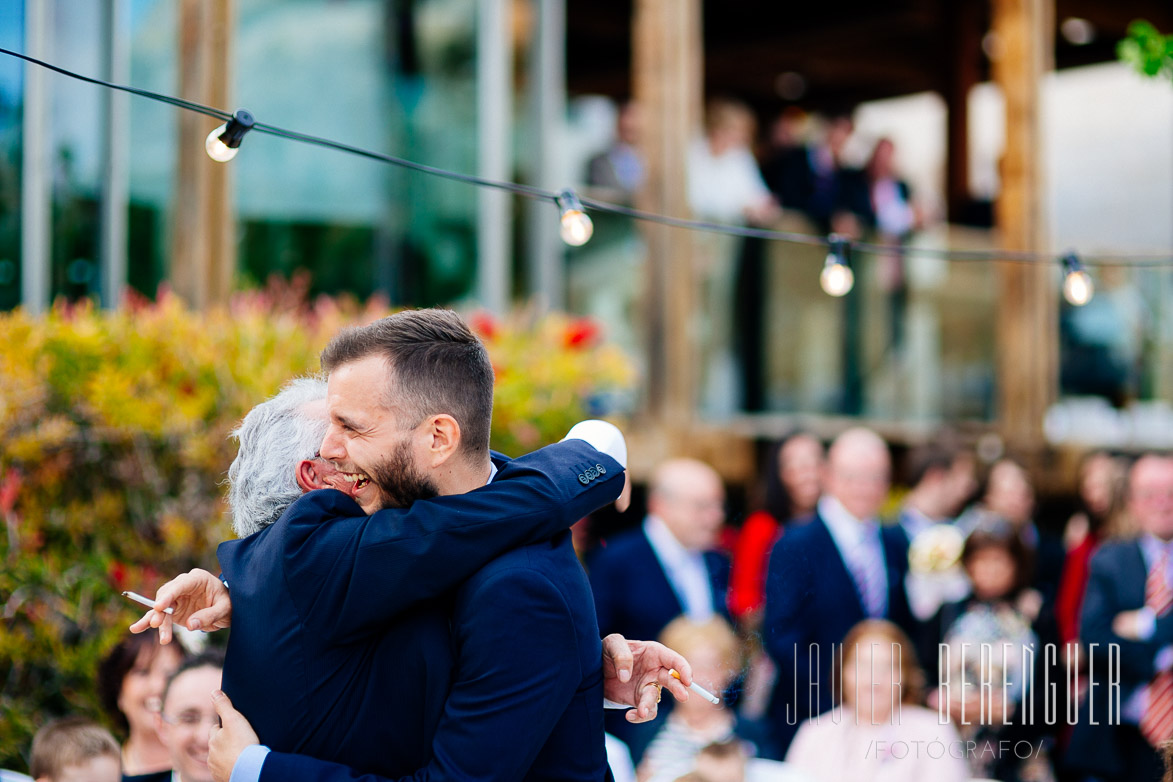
x,y
197,600
630,667
699,690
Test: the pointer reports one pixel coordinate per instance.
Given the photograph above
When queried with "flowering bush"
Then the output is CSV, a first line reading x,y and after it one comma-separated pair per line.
x,y
114,443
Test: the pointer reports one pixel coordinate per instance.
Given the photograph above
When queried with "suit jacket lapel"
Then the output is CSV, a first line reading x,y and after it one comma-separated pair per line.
x,y
659,578
1134,577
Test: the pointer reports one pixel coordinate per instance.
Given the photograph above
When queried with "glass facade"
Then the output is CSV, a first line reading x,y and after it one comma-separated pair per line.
x,y
11,98
400,77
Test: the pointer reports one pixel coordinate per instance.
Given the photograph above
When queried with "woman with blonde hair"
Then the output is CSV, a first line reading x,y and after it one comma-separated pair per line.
x,y
878,731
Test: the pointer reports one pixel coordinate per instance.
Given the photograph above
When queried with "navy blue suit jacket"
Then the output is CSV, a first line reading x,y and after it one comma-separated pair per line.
x,y
1116,582
310,660
527,697
633,596
812,601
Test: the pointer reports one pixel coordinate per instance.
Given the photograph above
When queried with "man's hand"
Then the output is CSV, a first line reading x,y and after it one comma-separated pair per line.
x,y
630,668
1127,625
227,742
199,599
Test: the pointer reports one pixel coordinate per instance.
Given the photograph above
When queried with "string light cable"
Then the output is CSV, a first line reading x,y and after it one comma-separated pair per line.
x,y
223,143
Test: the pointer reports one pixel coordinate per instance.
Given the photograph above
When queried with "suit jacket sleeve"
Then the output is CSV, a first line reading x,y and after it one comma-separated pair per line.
x,y
506,698
349,576
1100,606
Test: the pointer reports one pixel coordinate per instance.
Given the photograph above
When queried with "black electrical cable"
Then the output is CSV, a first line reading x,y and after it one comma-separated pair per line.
x,y
541,194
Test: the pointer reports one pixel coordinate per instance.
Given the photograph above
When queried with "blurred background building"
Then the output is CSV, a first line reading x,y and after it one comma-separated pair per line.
x,y
1010,124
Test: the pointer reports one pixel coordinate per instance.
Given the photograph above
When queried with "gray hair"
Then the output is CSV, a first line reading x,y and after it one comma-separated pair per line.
x,y
273,437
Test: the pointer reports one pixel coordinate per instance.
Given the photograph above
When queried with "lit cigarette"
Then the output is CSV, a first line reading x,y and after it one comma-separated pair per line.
x,y
699,690
149,603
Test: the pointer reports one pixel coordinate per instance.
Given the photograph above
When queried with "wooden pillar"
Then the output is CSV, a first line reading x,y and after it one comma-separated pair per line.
x,y
203,245
962,73
1028,304
668,85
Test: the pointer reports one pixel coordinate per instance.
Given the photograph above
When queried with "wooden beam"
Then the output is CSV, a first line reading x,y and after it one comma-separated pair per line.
x,y
1028,306
203,245
668,85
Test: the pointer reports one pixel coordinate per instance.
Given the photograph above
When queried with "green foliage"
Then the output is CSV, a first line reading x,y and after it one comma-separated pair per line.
x,y
1147,50
114,443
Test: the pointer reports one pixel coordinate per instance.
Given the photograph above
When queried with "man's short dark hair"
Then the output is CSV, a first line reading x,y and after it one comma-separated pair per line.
x,y
437,366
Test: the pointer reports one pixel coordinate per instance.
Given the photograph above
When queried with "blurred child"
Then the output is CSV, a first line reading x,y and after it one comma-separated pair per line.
x,y
187,716
75,750
712,650
983,662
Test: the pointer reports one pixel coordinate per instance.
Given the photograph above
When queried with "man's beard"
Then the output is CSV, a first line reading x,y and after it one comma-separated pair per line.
x,y
399,480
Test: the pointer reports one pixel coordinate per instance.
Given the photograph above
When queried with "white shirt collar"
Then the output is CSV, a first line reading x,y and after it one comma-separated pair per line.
x,y
492,472
845,528
1152,547
667,547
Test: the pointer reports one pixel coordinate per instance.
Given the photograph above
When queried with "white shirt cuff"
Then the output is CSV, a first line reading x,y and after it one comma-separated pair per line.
x,y
606,438
607,704
248,765
1164,659
1146,623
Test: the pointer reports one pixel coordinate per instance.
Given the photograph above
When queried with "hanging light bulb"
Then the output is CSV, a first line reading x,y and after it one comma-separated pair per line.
x,y
223,142
1078,287
837,278
577,228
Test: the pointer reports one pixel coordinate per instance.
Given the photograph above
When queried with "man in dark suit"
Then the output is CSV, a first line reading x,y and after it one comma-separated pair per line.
x,y
1126,614
825,576
669,562
644,578
322,573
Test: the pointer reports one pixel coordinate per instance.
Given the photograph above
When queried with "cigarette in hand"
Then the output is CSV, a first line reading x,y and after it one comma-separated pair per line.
x,y
699,690
136,597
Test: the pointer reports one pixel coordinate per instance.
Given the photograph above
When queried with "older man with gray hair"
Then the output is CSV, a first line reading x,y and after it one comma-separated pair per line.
x,y
277,463
286,430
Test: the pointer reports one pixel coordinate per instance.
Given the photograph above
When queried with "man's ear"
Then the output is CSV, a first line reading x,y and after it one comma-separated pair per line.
x,y
308,477
442,438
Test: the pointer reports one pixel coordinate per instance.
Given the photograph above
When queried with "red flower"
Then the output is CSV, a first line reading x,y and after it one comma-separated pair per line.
x,y
116,572
9,489
484,325
581,333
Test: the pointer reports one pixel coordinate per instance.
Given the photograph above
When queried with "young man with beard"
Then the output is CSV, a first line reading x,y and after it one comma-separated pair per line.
x,y
393,446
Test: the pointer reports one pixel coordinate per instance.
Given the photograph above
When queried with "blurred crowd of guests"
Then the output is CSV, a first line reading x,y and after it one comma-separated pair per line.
x,y
801,163
855,630
939,631
158,699
805,173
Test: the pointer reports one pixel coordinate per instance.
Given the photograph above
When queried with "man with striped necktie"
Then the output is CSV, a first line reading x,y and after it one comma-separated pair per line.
x,y
1127,616
829,574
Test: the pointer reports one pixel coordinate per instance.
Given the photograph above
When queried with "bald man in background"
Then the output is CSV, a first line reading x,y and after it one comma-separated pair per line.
x,y
827,575
644,578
